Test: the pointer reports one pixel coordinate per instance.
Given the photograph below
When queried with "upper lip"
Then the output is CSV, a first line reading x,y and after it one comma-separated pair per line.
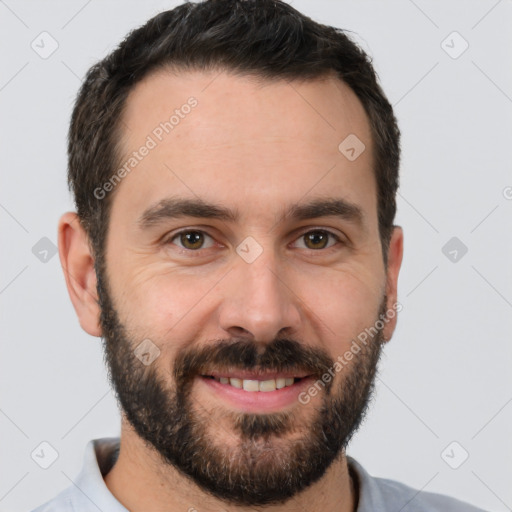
x,y
248,375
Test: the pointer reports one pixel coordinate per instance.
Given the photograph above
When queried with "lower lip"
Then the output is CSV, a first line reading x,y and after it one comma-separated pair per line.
x,y
257,401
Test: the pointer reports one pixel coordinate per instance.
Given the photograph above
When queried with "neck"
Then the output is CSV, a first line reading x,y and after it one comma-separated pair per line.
x,y
140,482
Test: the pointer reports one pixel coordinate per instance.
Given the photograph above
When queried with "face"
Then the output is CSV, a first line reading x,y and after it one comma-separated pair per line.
x,y
242,261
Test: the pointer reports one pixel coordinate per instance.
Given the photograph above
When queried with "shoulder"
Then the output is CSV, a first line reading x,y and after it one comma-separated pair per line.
x,y
63,502
88,492
389,495
411,499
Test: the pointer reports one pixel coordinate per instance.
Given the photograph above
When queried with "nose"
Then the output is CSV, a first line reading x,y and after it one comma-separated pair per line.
x,y
259,302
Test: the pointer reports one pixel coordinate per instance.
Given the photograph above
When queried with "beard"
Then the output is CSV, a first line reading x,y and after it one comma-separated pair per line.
x,y
272,457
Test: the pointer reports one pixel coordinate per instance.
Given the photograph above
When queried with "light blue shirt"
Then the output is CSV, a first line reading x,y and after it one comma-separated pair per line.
x,y
90,494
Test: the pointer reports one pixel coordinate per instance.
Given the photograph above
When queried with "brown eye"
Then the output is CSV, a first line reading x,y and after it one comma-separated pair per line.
x,y
319,239
191,240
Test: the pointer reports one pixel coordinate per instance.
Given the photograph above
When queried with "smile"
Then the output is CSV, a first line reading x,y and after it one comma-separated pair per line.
x,y
253,385
256,392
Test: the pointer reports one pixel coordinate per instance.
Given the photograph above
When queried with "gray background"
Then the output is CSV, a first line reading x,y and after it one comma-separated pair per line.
x,y
446,374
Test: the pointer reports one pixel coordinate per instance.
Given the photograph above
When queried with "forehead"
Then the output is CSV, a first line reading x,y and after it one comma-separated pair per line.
x,y
243,141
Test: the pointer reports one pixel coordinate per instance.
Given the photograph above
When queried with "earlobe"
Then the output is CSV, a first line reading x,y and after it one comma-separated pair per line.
x,y
78,266
395,254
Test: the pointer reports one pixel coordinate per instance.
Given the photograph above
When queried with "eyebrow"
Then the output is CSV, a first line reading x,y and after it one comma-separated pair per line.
x,y
174,208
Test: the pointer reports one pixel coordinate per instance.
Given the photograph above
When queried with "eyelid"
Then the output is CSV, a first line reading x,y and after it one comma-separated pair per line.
x,y
169,239
306,229
309,229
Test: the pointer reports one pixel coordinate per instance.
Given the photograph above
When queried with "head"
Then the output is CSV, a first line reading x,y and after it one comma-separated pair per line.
x,y
234,166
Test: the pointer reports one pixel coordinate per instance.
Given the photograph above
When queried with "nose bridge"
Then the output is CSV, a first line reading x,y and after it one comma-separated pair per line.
x,y
257,299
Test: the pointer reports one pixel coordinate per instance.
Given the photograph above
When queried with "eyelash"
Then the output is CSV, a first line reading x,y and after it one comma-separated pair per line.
x,y
169,240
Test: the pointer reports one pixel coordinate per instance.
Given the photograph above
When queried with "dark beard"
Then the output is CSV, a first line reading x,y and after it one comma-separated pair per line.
x,y
264,467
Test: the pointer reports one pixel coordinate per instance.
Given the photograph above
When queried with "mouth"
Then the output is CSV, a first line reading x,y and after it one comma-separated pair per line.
x,y
253,383
256,392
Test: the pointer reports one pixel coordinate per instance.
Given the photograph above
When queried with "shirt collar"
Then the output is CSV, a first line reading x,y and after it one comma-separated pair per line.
x,y
100,456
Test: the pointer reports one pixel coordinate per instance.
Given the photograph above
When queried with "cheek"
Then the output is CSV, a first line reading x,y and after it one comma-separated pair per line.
x,y
160,302
344,302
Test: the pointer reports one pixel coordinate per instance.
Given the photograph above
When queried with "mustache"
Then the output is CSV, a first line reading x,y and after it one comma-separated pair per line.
x,y
280,355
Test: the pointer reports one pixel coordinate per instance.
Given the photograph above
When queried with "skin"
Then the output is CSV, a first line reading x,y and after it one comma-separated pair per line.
x,y
256,148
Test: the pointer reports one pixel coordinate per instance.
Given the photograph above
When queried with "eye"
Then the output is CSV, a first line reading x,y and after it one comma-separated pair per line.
x,y
318,239
192,240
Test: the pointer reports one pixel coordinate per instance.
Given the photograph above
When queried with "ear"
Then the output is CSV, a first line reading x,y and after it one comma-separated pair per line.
x,y
395,253
78,266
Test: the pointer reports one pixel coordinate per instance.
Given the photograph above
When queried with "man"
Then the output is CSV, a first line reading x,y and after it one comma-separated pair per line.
x,y
234,166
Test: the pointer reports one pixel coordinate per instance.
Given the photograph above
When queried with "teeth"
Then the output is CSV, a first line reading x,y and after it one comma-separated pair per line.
x,y
251,385
236,383
257,385
268,385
